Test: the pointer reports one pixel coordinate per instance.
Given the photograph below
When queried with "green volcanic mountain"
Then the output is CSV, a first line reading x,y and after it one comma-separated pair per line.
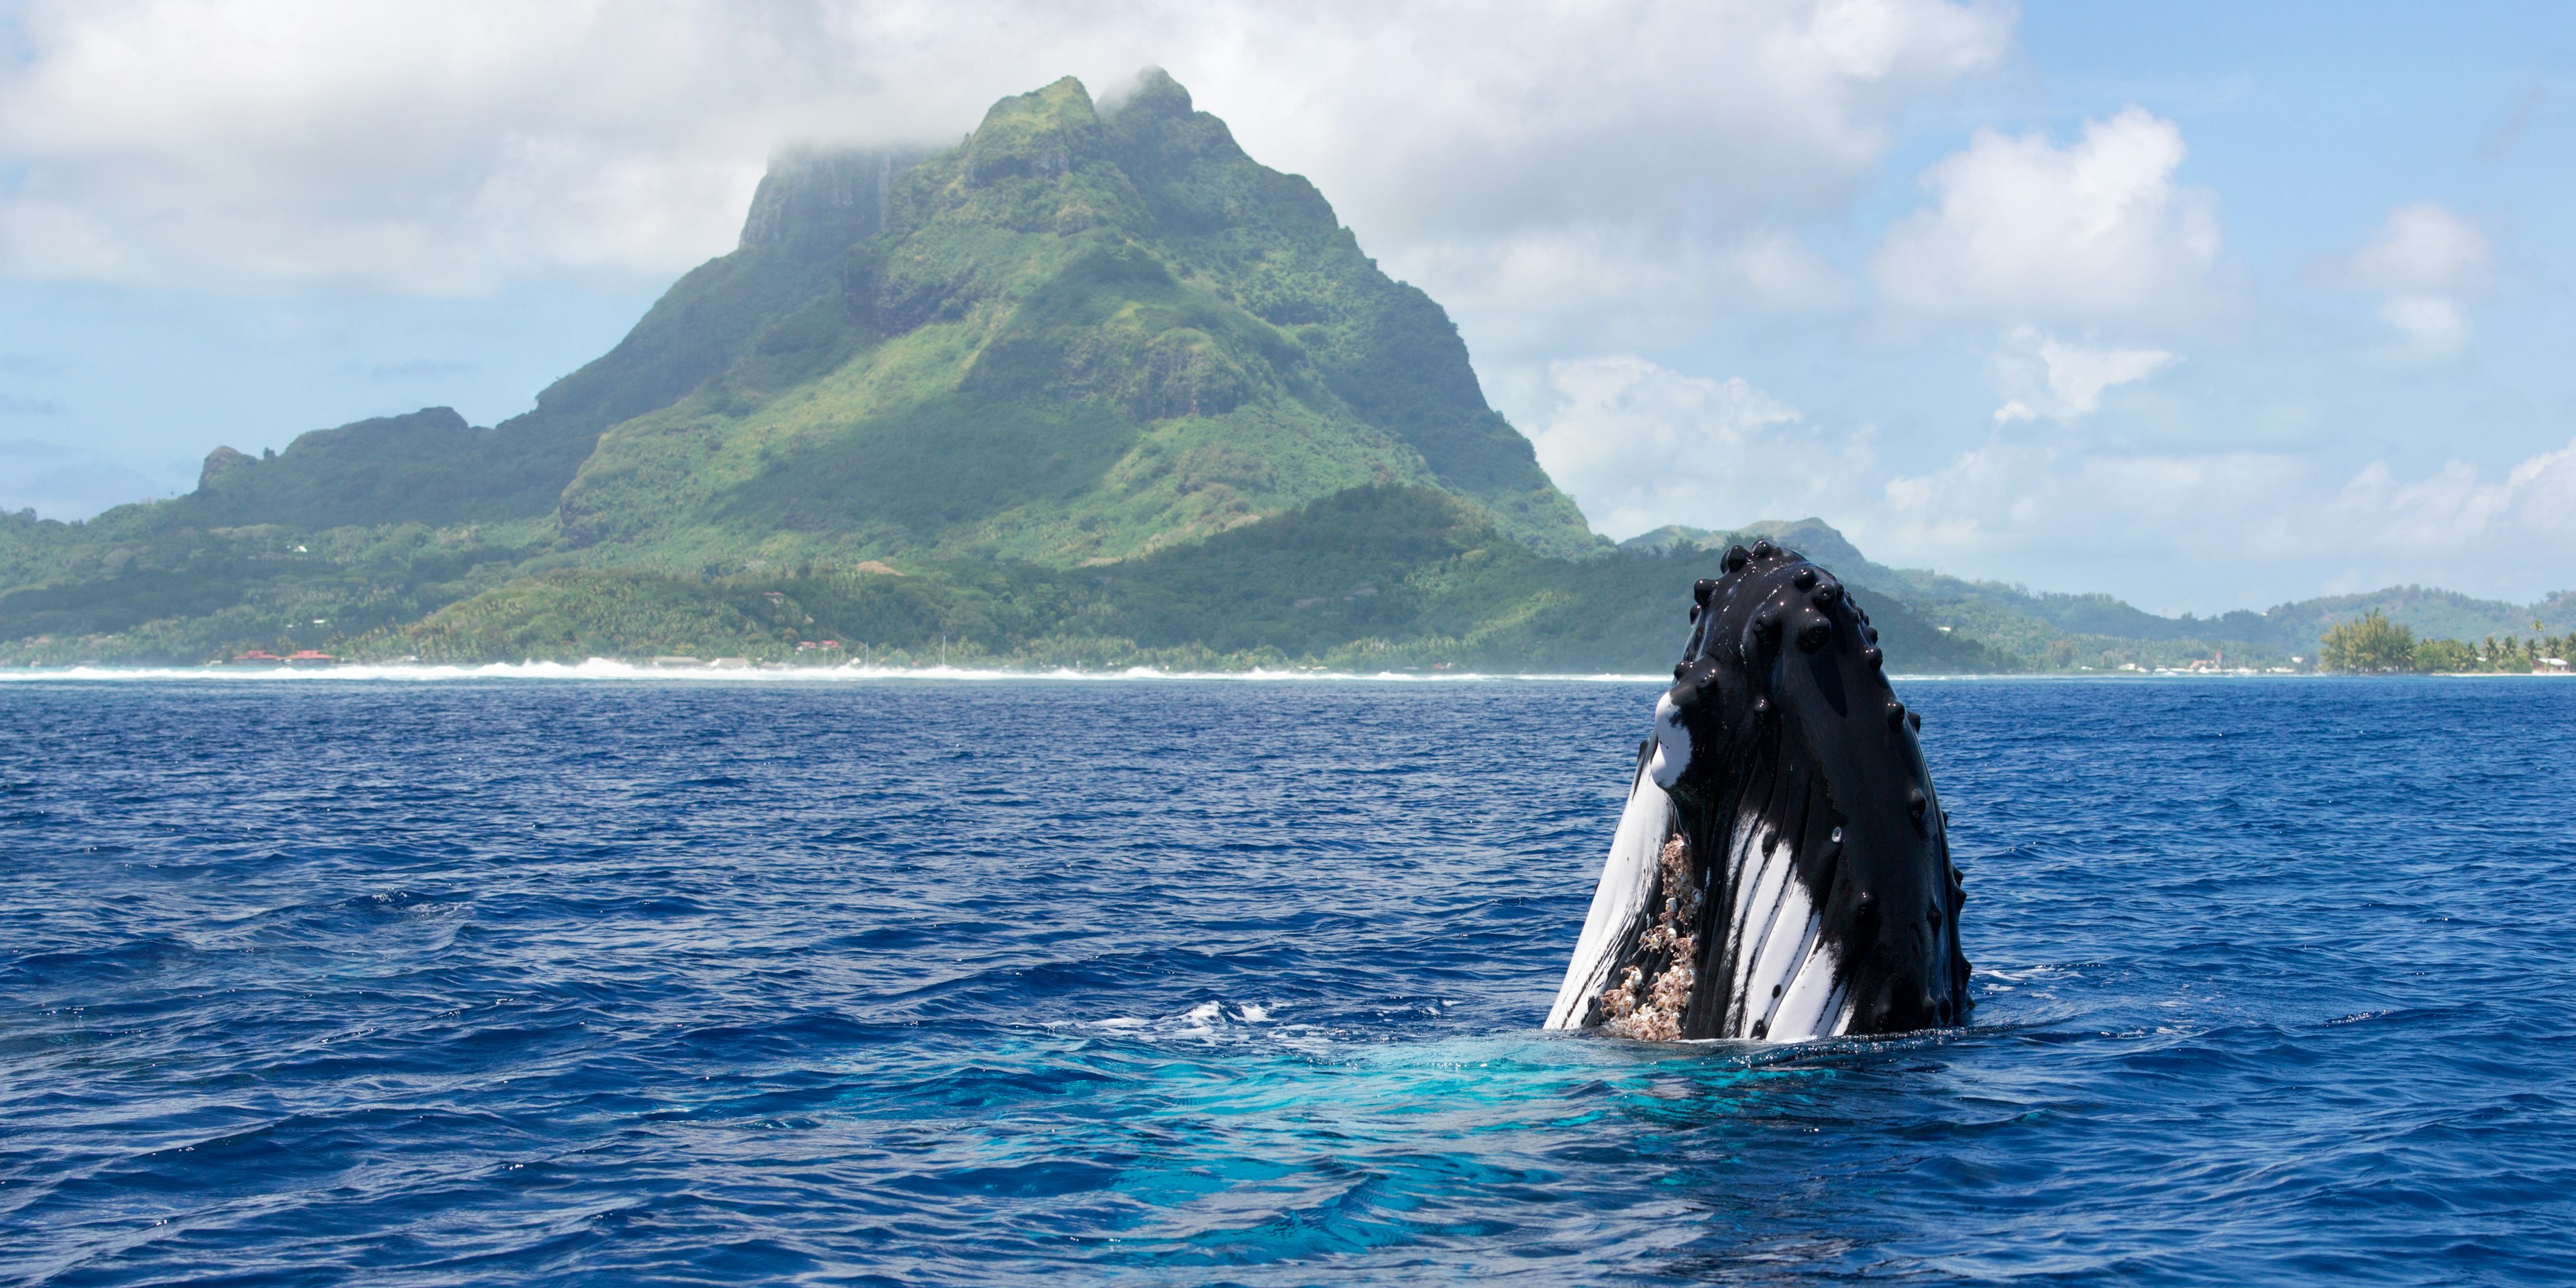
x,y
1091,387
1072,338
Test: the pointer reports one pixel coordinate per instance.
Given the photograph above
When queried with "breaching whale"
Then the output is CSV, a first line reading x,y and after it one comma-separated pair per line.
x,y
1782,869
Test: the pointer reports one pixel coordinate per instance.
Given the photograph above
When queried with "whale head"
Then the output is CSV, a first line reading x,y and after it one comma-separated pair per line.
x,y
1783,868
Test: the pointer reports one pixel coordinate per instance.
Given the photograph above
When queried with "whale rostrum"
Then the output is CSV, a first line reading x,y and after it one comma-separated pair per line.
x,y
1782,869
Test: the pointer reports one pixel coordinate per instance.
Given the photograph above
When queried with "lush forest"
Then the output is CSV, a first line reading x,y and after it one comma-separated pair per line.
x,y
1086,389
2373,645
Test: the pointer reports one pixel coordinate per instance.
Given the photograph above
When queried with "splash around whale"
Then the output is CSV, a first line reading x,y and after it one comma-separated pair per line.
x,y
1782,868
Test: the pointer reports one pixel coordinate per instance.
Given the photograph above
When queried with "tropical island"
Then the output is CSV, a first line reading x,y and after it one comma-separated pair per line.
x,y
2373,645
1090,389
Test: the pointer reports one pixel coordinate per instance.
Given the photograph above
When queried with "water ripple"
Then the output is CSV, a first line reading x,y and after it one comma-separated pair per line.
x,y
933,982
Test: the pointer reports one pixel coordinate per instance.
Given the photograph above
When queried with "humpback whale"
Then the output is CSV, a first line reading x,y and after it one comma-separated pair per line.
x,y
1782,868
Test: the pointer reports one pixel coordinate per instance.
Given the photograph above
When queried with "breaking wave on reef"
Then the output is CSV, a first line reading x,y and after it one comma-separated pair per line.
x,y
600,668
606,669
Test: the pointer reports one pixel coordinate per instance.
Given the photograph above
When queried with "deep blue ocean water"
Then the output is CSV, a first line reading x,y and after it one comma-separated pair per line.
x,y
326,982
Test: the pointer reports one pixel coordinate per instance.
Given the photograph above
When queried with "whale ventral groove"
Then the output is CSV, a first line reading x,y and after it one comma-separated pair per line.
x,y
1782,870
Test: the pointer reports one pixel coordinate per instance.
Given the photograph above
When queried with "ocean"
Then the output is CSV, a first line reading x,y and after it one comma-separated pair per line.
x,y
575,981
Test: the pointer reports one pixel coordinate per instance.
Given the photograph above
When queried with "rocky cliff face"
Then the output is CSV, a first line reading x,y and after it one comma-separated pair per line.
x,y
817,204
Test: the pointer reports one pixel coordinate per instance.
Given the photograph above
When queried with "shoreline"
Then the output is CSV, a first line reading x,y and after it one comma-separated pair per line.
x,y
606,670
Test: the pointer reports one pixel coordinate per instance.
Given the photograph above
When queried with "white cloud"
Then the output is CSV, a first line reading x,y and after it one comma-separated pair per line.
x,y
2421,249
2208,529
457,146
2042,375
2422,261
1604,283
1781,272
2278,525
1639,446
2021,228
2434,326
2083,500
2455,510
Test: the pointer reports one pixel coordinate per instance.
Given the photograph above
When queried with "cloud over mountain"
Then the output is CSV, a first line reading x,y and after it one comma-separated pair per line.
x,y
452,148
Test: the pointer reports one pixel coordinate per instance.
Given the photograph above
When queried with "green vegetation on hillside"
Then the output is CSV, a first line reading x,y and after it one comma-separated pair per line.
x,y
1374,577
1370,578
2024,631
1073,340
430,467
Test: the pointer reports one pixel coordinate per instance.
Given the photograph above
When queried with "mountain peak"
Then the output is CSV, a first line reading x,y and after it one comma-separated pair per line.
x,y
1041,134
1152,93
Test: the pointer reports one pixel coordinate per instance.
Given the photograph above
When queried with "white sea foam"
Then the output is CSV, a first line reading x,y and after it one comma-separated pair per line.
x,y
603,669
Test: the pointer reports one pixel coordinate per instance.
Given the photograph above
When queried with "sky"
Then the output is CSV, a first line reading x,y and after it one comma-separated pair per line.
x,y
2208,306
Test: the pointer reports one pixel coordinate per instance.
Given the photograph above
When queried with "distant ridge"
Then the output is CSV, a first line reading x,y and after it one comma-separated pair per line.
x,y
2045,630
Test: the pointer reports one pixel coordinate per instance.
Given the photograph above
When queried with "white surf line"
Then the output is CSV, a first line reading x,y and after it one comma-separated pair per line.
x,y
598,669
